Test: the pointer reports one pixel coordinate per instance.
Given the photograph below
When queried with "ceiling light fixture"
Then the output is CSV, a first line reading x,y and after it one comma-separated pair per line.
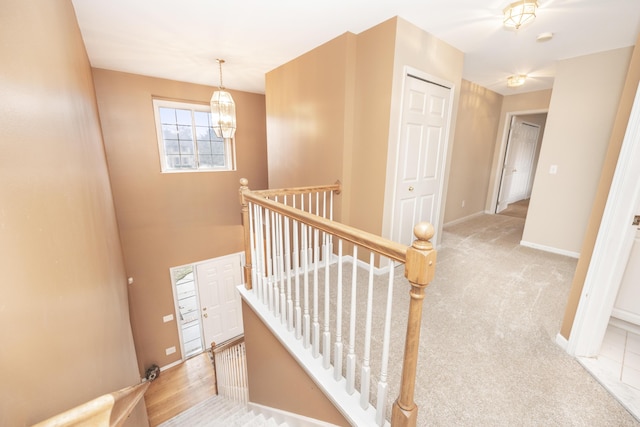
x,y
517,80
520,13
223,110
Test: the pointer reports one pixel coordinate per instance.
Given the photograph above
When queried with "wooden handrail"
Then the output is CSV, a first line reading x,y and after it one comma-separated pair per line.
x,y
336,188
217,348
110,409
380,245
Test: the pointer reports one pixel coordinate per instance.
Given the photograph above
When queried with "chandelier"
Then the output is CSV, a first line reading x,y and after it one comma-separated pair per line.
x,y
223,110
520,13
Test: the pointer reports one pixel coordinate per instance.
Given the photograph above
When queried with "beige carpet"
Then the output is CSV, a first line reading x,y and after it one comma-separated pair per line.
x,y
487,352
517,209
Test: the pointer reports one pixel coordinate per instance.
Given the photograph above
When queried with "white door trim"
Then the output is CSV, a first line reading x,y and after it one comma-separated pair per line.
x,y
612,247
394,150
495,191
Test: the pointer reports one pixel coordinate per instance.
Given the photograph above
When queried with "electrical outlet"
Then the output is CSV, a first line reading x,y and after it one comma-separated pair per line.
x,y
170,350
553,169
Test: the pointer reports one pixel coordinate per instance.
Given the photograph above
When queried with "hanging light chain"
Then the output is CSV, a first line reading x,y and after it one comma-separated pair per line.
x,y
220,62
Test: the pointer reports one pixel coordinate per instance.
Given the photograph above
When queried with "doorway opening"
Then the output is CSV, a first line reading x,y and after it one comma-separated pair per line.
x,y
519,165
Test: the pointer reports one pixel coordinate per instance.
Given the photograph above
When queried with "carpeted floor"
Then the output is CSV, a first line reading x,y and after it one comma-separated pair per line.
x,y
517,209
488,353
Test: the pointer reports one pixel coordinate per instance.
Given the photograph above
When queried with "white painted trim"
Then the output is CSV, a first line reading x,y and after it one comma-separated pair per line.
x,y
292,419
463,219
612,247
550,249
171,365
562,342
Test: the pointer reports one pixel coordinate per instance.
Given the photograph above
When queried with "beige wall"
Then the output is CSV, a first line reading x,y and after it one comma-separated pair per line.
x,y
585,97
334,112
171,219
308,126
277,380
66,336
606,177
475,138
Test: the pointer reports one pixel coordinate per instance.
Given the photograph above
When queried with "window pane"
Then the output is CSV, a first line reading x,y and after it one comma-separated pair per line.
x,y
186,147
203,133
171,146
169,132
217,147
167,115
173,162
202,118
183,117
204,147
206,161
218,161
185,132
187,162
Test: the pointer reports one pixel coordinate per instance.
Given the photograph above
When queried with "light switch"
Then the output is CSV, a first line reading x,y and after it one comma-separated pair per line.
x,y
553,169
168,318
170,350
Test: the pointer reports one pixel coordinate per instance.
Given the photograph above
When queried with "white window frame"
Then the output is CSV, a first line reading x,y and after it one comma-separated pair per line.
x,y
229,143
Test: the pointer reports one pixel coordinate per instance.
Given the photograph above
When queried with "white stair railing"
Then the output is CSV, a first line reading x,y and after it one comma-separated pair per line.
x,y
295,265
230,363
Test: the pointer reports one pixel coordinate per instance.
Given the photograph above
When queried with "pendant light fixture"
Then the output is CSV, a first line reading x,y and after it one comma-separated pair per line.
x,y
223,110
520,13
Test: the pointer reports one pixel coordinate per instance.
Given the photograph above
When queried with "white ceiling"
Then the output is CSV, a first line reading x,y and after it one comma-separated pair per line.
x,y
180,39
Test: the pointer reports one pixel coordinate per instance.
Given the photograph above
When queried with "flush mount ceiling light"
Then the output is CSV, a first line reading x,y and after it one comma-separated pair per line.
x,y
223,110
520,13
517,80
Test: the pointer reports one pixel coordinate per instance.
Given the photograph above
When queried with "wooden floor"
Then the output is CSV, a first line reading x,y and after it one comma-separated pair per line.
x,y
179,388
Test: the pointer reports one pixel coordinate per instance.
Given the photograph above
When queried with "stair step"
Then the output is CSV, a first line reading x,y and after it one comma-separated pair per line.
x,y
220,411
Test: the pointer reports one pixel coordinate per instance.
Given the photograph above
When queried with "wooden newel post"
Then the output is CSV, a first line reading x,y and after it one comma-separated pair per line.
x,y
419,270
247,233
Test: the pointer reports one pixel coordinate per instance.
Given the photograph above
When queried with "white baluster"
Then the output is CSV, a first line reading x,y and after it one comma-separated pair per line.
x,y
287,260
351,355
296,269
260,254
382,383
316,324
326,336
283,290
267,257
337,354
365,375
306,318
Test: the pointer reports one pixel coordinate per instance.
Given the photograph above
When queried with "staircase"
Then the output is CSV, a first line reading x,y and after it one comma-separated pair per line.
x,y
220,411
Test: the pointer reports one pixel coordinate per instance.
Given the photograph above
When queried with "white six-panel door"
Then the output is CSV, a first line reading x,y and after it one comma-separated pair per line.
x,y
421,157
220,304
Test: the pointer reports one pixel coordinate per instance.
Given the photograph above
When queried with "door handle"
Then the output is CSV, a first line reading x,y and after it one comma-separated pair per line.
x,y
205,315
410,188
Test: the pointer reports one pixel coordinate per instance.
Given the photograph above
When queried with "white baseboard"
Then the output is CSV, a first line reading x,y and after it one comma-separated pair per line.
x,y
292,419
550,249
463,219
562,342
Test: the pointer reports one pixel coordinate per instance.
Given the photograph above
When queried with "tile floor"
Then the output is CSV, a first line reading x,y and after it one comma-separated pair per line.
x,y
620,354
617,367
